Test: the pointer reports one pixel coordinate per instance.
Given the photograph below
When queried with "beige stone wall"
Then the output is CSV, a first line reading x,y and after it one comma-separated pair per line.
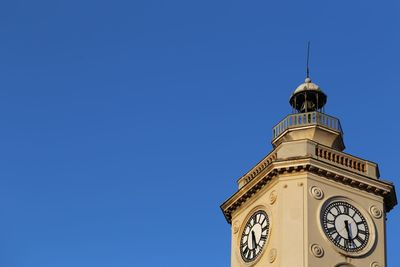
x,y
295,225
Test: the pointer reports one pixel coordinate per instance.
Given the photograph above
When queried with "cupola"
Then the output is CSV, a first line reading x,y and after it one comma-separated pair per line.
x,y
308,119
308,97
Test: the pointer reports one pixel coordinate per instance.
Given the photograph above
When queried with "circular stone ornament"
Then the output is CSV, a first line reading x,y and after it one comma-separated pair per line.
x,y
317,250
317,192
375,264
375,212
272,255
272,197
235,227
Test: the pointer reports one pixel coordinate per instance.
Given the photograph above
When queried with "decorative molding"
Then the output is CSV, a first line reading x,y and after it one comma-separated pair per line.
x,y
317,192
262,165
240,197
317,250
375,212
376,187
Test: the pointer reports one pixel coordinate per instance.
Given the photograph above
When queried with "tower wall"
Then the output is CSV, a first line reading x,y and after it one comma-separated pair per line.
x,y
324,207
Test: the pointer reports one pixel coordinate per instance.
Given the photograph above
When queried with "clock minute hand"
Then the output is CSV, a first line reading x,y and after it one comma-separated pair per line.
x,y
253,236
346,223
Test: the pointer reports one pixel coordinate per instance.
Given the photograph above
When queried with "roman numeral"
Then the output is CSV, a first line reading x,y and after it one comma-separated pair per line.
x,y
337,239
246,249
346,243
349,243
331,230
330,222
346,209
338,210
359,239
362,232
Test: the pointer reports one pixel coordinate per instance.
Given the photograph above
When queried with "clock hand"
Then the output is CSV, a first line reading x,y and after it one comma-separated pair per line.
x,y
346,223
253,236
350,233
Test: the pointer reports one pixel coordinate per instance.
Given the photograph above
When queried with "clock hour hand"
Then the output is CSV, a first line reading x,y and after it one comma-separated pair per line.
x,y
253,237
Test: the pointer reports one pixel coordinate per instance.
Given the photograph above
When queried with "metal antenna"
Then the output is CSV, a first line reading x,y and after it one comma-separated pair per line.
x,y
308,59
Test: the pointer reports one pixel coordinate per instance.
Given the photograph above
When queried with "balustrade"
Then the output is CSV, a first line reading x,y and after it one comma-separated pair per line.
x,y
305,119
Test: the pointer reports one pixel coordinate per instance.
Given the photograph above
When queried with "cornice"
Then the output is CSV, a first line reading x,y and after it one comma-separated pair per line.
x,y
308,164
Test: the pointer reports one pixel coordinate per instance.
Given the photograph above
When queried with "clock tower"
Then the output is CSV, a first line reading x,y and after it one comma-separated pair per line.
x,y
308,203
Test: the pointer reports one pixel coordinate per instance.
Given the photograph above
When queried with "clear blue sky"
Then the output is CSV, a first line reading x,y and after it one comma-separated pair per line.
x,y
125,124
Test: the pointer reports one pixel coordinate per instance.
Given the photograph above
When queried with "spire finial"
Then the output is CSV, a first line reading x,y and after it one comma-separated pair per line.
x,y
308,59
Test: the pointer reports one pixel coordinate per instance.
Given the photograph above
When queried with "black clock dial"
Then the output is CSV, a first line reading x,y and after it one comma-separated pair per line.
x,y
345,226
254,236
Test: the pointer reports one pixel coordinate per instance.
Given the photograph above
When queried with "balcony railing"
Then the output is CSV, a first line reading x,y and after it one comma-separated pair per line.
x,y
305,119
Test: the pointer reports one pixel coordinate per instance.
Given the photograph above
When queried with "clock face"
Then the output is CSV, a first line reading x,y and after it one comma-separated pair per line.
x,y
345,226
254,236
